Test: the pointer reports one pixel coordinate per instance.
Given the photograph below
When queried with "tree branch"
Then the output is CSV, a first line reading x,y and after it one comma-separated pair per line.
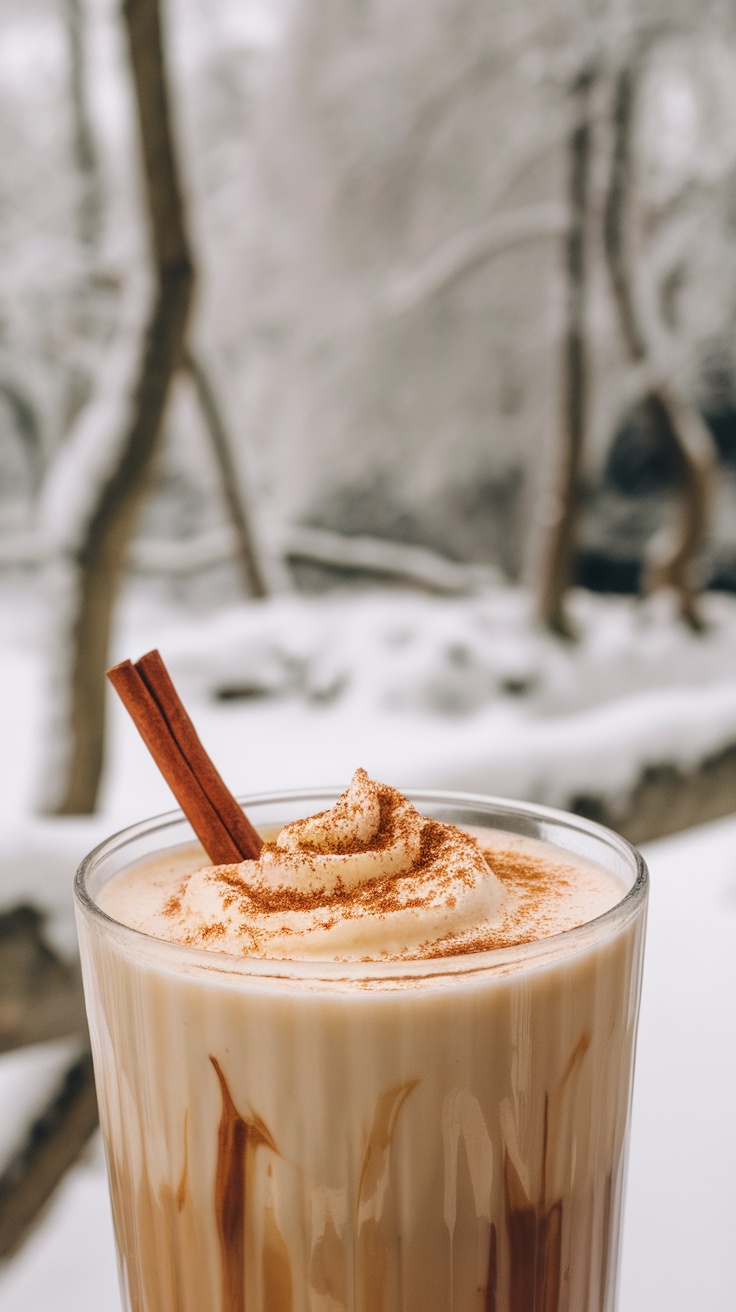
x,y
419,566
85,148
672,559
466,251
674,556
53,1144
565,499
101,556
247,555
617,228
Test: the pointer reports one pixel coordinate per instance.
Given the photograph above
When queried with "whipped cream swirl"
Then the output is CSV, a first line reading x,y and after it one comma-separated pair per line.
x,y
369,879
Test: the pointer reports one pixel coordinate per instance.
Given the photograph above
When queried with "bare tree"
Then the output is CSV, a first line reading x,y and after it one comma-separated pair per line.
x,y
247,555
100,557
674,564
564,501
26,425
85,146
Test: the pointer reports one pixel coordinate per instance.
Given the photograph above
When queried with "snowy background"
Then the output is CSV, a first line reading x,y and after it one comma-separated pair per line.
x,y
299,690
379,204
399,714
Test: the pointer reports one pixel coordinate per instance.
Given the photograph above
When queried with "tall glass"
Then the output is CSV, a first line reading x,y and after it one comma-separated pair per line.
x,y
420,1136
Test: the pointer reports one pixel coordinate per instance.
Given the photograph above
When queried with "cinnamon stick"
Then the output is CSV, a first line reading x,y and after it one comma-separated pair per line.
x,y
153,703
158,681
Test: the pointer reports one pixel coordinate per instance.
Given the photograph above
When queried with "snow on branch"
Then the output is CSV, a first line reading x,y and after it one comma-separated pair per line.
x,y
463,252
673,554
86,460
124,467
399,560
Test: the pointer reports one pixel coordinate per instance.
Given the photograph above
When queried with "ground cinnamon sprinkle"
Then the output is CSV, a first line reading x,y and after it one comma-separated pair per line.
x,y
532,883
391,825
448,858
172,906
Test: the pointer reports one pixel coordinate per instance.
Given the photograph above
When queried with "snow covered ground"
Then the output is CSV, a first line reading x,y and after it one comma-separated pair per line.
x,y
448,692
458,692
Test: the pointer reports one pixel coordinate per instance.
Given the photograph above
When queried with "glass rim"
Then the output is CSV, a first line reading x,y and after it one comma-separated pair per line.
x,y
464,965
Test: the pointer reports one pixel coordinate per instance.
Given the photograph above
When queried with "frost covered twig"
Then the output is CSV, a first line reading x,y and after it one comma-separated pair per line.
x,y
411,288
400,560
247,555
674,555
465,251
618,228
182,556
565,498
85,148
415,565
26,421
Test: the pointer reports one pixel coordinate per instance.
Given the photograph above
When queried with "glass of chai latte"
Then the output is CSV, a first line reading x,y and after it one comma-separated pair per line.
x,y
386,1067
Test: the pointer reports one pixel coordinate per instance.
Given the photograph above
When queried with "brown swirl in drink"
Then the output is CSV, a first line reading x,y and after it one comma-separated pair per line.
x,y
162,1229
434,1142
238,1140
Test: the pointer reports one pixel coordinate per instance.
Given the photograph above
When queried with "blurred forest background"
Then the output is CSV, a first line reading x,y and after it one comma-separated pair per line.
x,y
463,280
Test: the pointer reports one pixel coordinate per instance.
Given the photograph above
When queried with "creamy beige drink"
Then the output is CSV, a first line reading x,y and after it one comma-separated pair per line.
x,y
385,1067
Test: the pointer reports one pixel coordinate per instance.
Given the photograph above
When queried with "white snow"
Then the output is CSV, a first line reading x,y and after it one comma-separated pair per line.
x,y
416,688
463,693
413,687
680,1211
458,692
68,1263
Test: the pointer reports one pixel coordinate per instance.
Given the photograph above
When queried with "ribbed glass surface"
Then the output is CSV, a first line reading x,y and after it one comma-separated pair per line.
x,y
434,1136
